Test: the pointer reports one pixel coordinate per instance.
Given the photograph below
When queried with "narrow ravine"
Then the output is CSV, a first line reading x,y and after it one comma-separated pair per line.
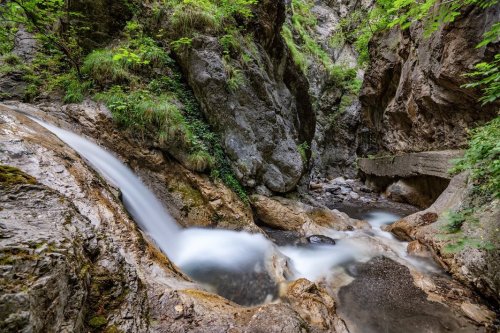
x,y
361,268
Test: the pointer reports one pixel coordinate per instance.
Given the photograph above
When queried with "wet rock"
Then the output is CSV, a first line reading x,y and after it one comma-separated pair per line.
x,y
478,313
345,190
315,186
320,239
287,214
313,302
474,266
192,199
415,248
384,298
353,195
72,260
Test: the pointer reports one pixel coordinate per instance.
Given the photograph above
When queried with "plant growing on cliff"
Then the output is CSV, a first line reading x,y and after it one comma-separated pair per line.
x,y
194,16
299,39
41,17
303,148
482,158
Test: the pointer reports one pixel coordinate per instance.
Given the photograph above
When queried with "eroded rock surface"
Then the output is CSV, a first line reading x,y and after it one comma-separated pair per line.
x,y
384,298
412,96
472,256
192,198
79,260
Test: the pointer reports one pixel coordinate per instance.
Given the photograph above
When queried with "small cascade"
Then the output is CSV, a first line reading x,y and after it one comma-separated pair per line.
x,y
232,263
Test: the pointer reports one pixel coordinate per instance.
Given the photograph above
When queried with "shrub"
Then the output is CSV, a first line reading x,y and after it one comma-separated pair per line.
x,y
11,59
101,66
303,148
236,78
191,16
200,161
141,109
482,158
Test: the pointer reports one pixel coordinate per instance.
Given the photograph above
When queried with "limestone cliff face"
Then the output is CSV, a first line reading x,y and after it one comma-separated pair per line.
x,y
268,115
412,97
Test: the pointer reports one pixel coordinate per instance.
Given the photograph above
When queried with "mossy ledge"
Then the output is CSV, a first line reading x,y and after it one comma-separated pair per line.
x,y
12,176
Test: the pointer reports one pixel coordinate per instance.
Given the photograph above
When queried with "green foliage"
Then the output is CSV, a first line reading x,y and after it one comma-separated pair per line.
x,y
104,70
457,239
181,43
455,220
303,148
487,75
482,158
206,141
298,37
359,27
40,17
460,243
195,16
98,321
298,57
141,110
235,77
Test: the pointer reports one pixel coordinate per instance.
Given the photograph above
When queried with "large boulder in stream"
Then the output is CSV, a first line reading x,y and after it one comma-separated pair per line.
x,y
287,214
72,260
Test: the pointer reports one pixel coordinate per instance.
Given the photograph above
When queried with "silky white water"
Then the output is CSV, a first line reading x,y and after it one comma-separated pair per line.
x,y
232,250
183,246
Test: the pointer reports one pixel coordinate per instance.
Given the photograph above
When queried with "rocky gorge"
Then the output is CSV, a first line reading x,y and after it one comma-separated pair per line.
x,y
262,135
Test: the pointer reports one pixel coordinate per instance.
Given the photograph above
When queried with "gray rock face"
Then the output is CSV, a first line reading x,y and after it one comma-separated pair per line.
x,y
336,140
429,163
12,83
412,97
261,120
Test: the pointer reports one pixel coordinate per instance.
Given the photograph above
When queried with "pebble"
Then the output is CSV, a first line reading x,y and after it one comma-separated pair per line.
x,y
354,195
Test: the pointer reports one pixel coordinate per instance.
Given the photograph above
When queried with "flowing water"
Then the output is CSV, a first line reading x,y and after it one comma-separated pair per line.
x,y
234,263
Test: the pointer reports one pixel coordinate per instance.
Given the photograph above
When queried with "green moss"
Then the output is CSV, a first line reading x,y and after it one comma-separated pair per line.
x,y
10,256
12,176
112,329
190,195
303,148
97,321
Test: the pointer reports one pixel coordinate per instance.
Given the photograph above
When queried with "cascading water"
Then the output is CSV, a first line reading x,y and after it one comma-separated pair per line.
x,y
225,247
228,259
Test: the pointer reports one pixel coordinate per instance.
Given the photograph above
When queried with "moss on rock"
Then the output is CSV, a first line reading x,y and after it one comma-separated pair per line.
x,y
12,176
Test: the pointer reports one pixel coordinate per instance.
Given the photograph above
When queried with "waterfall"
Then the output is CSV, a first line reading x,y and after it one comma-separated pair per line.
x,y
185,247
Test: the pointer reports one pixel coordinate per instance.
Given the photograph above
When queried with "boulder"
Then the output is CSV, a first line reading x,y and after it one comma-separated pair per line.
x,y
268,115
287,214
320,239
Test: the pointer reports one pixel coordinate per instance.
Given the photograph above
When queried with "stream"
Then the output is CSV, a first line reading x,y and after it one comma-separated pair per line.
x,y
368,271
